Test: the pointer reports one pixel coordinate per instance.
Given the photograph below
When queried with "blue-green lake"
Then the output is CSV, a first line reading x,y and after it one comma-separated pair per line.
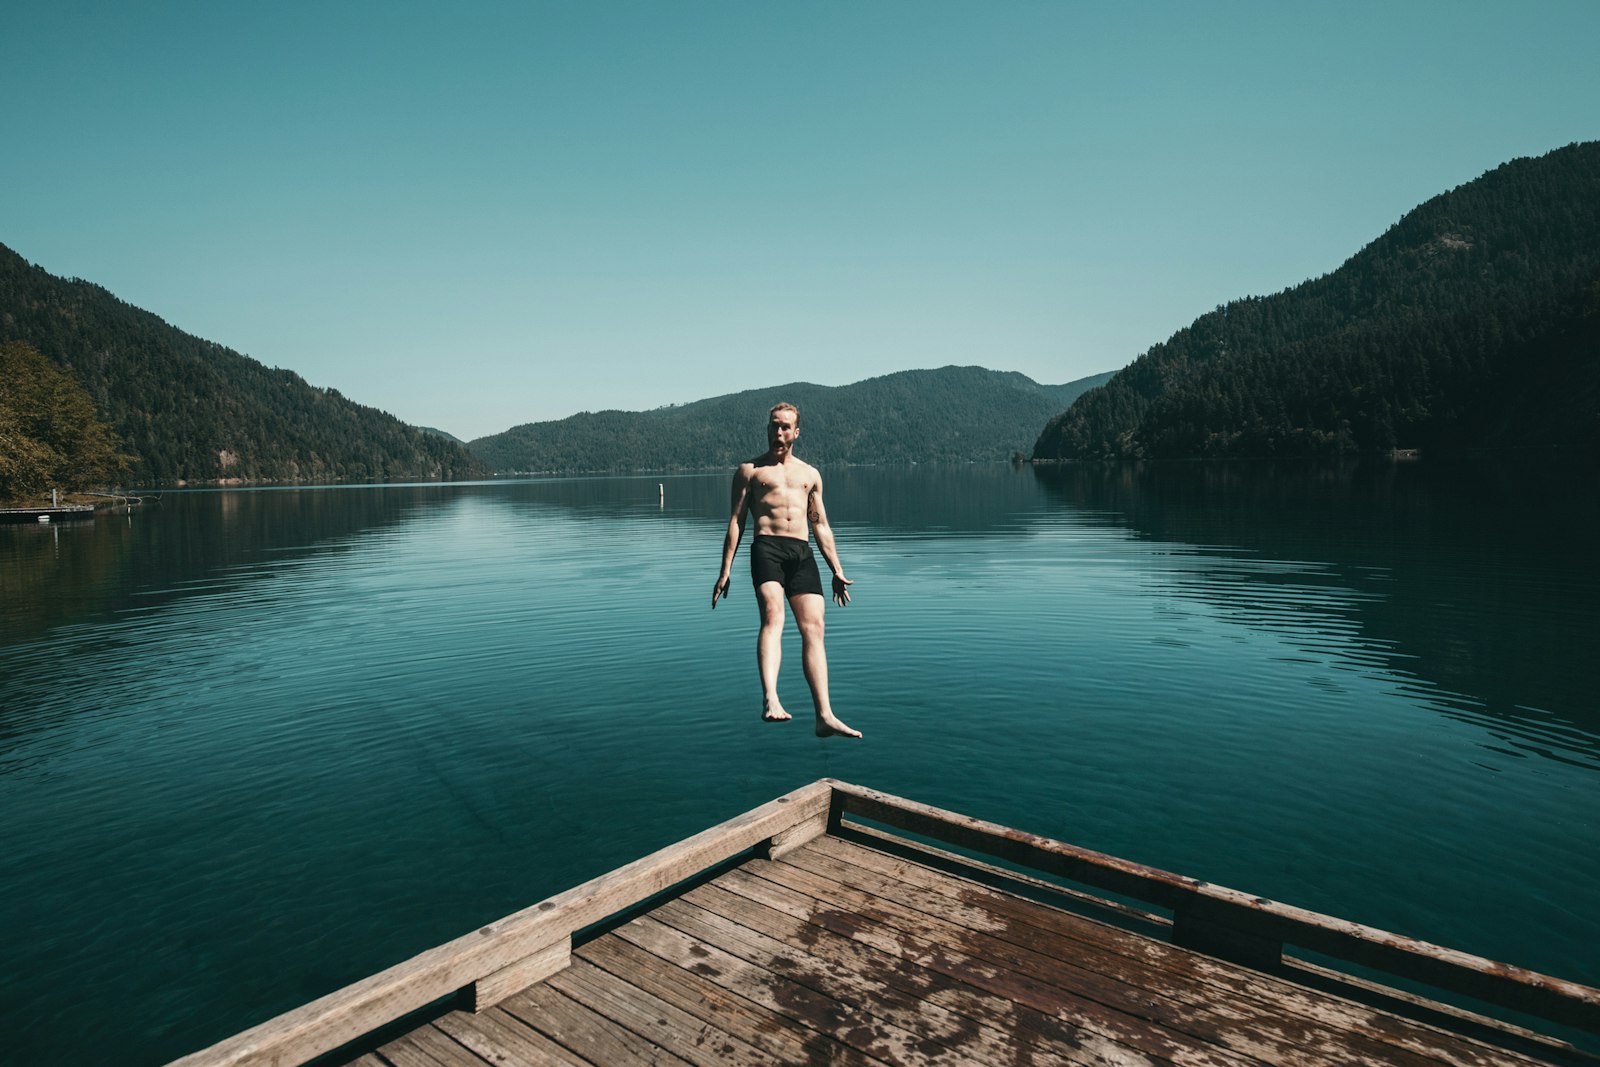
x,y
255,745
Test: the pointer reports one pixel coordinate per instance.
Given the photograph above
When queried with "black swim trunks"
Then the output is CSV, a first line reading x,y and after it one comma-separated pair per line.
x,y
786,560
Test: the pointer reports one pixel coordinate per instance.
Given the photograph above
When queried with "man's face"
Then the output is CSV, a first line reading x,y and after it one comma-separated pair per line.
x,y
781,430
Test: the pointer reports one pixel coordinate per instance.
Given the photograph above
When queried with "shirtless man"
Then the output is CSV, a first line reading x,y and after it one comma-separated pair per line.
x,y
783,492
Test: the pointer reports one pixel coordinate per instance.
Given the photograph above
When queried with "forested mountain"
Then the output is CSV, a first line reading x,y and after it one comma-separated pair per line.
x,y
186,409
952,414
1473,322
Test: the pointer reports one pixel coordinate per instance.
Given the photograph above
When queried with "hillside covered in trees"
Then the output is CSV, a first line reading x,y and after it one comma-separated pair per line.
x,y
1474,322
186,409
954,414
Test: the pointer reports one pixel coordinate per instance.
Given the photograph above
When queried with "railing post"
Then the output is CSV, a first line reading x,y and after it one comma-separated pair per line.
x,y
825,821
493,988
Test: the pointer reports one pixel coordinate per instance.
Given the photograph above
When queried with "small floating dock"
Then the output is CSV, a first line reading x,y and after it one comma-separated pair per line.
x,y
47,514
842,925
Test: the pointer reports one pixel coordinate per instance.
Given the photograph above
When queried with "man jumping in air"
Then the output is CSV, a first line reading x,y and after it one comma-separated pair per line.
x,y
784,493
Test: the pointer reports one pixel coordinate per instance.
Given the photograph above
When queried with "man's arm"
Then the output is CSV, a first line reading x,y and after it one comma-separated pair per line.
x,y
738,515
819,525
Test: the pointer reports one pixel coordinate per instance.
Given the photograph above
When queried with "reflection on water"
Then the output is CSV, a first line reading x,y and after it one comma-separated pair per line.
x,y
1477,580
258,744
176,545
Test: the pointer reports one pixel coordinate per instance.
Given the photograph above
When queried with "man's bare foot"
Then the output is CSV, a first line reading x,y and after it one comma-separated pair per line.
x,y
775,715
830,726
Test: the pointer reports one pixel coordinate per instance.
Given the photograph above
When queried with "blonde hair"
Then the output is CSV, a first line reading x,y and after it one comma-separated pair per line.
x,y
784,405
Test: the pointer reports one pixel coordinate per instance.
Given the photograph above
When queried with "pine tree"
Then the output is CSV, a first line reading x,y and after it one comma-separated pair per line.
x,y
50,435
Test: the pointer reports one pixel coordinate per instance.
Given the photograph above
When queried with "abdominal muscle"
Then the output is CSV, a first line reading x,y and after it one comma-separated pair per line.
x,y
770,527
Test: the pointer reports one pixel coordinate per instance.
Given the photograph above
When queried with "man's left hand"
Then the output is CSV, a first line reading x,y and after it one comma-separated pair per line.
x,y
841,589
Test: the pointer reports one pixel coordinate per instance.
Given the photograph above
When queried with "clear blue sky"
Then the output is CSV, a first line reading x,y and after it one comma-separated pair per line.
x,y
478,215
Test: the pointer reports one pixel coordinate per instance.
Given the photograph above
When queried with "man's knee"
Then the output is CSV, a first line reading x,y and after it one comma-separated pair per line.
x,y
809,617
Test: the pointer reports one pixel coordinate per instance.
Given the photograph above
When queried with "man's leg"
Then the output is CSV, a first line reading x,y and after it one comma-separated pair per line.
x,y
808,611
769,649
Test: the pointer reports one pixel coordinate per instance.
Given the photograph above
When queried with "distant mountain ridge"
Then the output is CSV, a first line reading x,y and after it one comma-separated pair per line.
x,y
952,414
1472,322
189,410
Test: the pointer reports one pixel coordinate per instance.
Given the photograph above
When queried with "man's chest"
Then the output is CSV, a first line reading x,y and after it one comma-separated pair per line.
x,y
778,489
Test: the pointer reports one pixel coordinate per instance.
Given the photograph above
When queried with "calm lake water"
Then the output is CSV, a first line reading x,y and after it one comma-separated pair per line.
x,y
255,745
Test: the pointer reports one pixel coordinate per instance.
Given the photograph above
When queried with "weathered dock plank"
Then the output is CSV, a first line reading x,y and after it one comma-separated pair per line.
x,y
834,1014
975,1021
906,1000
445,1051
697,1041
583,1030
421,1049
501,1039
985,989
708,1002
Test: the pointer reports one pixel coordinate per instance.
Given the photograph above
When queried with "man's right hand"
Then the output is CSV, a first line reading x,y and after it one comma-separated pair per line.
x,y
719,590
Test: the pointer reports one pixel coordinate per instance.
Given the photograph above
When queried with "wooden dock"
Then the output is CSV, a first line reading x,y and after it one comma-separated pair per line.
x,y
60,513
824,928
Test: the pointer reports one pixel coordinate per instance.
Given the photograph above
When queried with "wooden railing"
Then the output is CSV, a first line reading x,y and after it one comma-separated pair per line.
x,y
1234,925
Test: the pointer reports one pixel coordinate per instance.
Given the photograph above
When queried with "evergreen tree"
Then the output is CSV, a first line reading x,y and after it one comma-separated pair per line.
x,y
50,436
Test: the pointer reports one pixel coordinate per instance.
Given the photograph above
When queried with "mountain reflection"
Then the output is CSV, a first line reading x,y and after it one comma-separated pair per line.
x,y
1478,579
907,500
178,544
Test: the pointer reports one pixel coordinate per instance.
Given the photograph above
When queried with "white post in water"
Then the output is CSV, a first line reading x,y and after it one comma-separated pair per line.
x,y
662,487
52,498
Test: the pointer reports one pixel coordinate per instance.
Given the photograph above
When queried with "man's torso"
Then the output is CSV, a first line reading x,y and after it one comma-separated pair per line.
x,y
779,497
